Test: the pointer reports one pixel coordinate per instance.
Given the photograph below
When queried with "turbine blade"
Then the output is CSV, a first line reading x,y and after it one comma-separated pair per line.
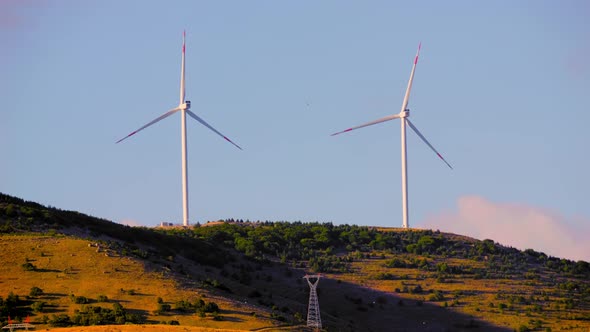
x,y
182,90
387,118
410,81
161,117
213,129
427,143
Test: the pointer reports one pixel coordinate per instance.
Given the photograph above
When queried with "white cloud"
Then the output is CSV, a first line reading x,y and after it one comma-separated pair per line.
x,y
517,225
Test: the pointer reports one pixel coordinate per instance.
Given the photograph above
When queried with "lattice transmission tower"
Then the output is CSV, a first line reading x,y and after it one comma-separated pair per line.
x,y
314,320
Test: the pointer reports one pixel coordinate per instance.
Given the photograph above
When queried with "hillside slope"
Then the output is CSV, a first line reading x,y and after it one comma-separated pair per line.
x,y
372,279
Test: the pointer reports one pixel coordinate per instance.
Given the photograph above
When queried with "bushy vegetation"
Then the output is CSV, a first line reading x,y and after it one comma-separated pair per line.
x,y
95,315
10,305
329,248
199,306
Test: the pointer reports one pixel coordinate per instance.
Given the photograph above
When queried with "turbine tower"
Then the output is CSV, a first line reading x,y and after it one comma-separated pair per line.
x,y
313,310
184,108
403,115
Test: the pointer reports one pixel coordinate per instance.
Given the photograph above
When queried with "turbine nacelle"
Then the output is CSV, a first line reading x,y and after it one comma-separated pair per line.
x,y
186,106
405,113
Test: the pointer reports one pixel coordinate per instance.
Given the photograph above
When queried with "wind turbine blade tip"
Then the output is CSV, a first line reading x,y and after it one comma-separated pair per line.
x,y
196,117
229,140
443,159
342,132
122,139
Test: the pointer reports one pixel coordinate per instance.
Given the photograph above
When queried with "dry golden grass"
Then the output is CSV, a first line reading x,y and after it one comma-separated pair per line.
x,y
474,297
68,266
141,328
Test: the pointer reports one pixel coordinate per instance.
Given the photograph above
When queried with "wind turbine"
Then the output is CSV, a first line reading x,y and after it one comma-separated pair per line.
x,y
184,109
403,115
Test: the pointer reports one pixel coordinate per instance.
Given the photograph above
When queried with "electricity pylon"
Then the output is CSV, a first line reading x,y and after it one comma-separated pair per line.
x,y
313,310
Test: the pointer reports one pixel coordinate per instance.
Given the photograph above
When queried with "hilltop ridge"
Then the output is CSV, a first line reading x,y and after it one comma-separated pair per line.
x,y
373,278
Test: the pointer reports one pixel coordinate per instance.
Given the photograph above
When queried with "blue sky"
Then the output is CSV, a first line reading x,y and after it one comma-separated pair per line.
x,y
501,90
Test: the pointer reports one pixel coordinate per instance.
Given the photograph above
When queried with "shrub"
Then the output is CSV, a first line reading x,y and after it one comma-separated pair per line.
x,y
417,289
297,316
436,296
35,291
523,328
61,320
162,308
28,266
38,306
102,298
79,299
183,306
211,307
385,276
396,262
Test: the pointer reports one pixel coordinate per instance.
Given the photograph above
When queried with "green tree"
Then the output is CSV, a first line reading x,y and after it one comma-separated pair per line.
x,y
38,306
61,320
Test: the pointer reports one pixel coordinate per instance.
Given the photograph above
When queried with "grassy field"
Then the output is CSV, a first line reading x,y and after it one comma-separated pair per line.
x,y
63,264
142,328
67,267
514,302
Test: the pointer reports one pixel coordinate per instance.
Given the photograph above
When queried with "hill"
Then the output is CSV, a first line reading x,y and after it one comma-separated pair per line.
x,y
93,271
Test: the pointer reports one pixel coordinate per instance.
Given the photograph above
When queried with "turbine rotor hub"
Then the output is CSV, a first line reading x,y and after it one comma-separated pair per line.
x,y
185,106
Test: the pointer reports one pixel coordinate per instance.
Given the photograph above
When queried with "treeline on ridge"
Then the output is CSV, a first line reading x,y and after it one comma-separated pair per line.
x,y
328,248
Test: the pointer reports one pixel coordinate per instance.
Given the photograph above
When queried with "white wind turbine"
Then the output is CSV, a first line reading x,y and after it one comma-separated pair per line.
x,y
403,116
184,109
